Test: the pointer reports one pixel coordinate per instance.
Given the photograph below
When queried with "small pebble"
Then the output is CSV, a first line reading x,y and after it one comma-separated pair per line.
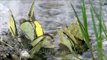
x,y
25,54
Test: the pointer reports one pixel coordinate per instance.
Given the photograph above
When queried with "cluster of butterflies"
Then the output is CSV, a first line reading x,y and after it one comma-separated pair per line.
x,y
27,26
32,30
70,36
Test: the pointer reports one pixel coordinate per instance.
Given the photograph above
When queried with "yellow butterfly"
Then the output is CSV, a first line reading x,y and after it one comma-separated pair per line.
x,y
73,32
76,31
12,25
31,27
38,27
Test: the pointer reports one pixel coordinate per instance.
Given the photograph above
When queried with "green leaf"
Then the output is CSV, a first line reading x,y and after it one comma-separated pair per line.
x,y
28,30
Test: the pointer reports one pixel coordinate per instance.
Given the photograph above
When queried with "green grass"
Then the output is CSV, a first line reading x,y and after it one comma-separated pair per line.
x,y
98,29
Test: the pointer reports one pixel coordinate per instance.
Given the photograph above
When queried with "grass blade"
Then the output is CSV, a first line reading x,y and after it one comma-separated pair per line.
x,y
94,25
84,33
84,16
100,29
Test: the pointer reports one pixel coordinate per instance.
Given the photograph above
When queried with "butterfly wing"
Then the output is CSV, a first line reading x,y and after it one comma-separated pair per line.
x,y
38,28
64,40
76,31
48,42
12,25
28,29
31,11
